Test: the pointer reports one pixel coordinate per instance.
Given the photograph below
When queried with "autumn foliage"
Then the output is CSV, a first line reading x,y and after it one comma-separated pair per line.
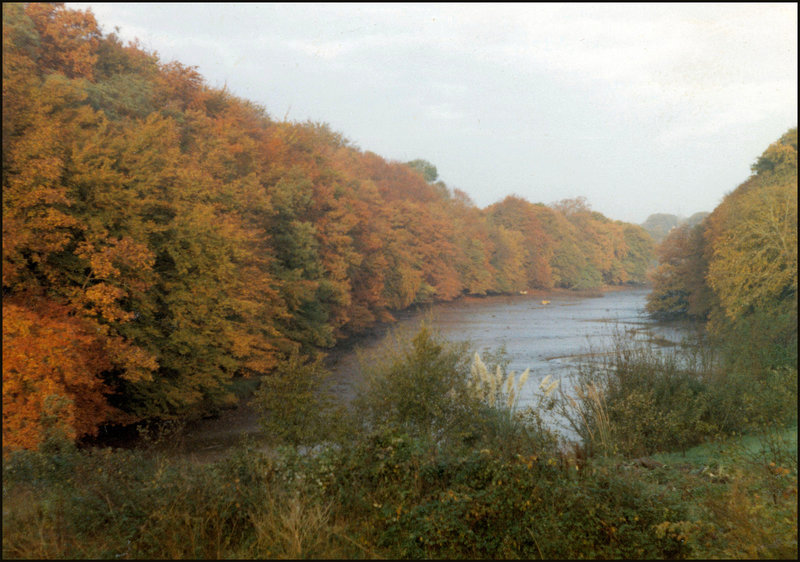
x,y
161,237
52,367
738,267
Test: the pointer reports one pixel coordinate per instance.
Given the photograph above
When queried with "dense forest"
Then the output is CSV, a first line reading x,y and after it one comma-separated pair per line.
x,y
737,268
162,237
166,244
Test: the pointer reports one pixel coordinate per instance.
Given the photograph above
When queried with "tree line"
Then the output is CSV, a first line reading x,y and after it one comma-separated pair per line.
x,y
736,270
162,237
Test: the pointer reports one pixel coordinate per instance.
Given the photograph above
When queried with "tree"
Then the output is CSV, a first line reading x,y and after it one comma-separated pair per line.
x,y
68,39
428,170
754,262
514,213
679,286
52,373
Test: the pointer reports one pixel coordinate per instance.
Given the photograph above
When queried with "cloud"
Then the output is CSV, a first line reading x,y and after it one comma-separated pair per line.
x,y
716,66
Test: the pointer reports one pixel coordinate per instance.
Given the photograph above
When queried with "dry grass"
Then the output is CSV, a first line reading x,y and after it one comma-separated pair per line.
x,y
293,528
594,416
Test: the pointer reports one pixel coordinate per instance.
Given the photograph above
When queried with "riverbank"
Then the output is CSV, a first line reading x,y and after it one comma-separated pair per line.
x,y
548,338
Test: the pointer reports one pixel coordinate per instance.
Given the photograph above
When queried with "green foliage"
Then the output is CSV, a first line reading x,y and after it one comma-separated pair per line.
x,y
294,401
392,489
744,492
416,384
385,496
659,225
425,168
639,401
490,505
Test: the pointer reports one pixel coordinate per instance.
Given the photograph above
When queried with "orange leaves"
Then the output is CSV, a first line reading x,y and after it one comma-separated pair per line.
x,y
102,298
68,38
48,353
115,267
136,363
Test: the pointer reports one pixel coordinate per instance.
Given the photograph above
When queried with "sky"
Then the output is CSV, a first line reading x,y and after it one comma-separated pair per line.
x,y
640,108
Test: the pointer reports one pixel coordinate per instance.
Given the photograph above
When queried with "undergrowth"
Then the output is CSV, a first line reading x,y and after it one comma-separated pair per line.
x,y
435,460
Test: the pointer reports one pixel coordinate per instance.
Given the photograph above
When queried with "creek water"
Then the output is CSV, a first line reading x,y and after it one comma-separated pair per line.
x,y
550,333
547,332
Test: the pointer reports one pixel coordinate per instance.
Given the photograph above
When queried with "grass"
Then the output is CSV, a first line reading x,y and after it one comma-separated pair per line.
x,y
743,495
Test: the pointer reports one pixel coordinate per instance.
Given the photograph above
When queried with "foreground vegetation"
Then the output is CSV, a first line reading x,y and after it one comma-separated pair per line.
x,y
435,461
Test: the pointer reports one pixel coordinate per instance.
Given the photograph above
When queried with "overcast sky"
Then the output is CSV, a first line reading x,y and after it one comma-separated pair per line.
x,y
651,108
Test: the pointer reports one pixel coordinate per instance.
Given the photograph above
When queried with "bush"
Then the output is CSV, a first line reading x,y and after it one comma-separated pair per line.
x,y
638,400
416,385
295,403
481,480
491,504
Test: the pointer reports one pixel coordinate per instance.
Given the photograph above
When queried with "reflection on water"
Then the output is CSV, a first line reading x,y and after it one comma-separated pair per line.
x,y
548,338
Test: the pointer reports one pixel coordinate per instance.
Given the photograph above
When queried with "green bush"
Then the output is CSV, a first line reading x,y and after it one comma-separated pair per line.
x,y
418,386
295,403
637,400
489,504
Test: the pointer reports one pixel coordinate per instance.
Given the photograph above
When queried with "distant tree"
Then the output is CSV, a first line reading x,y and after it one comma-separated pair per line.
x,y
679,286
569,207
640,247
517,214
697,218
658,225
425,168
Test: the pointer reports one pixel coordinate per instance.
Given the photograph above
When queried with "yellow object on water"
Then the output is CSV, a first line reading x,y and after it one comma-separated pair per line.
x,y
545,302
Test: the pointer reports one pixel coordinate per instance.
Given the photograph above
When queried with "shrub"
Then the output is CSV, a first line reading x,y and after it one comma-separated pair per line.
x,y
417,385
295,403
637,400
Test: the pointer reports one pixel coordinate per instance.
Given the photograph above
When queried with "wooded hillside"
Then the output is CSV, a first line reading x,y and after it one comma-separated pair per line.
x,y
161,237
737,268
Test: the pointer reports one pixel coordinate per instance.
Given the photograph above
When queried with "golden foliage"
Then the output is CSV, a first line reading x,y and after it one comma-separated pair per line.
x,y
754,262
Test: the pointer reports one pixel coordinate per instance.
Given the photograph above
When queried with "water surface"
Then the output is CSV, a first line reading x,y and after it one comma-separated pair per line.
x,y
549,338
550,333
